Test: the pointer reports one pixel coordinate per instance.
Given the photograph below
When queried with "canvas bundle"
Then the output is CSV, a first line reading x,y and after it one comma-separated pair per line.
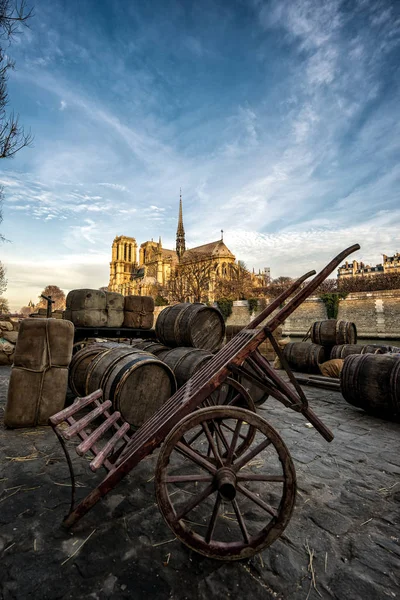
x,y
43,343
94,308
139,312
39,377
34,396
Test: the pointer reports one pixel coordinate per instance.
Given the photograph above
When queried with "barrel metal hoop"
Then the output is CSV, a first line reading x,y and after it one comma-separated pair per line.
x,y
192,317
91,367
356,378
395,388
178,338
124,368
112,365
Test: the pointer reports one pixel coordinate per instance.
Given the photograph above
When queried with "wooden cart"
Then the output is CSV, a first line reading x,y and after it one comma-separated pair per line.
x,y
225,481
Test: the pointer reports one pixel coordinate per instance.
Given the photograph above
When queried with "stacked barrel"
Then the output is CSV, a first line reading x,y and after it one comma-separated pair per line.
x,y
372,382
139,378
369,375
325,336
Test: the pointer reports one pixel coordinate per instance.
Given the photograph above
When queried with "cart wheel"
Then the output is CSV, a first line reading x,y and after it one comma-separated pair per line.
x,y
230,507
229,393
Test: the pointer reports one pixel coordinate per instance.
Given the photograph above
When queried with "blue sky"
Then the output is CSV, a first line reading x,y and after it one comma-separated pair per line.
x,y
279,120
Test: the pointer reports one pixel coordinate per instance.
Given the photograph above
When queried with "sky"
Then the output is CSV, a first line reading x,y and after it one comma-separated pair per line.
x,y
279,120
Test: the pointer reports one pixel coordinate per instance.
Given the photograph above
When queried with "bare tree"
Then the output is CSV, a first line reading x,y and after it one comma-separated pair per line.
x,y
3,280
56,294
237,284
26,310
12,135
4,306
176,288
190,279
13,14
365,283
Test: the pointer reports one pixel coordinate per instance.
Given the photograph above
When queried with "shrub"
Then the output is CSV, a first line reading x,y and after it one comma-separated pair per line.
x,y
160,301
225,307
331,302
253,304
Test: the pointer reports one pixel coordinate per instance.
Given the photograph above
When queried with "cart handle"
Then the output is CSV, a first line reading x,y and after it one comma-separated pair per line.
x,y
318,424
279,300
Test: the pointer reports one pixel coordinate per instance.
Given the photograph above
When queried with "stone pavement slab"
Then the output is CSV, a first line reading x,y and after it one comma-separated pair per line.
x,y
346,523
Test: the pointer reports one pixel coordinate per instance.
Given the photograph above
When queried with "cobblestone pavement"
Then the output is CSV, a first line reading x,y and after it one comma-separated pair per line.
x,y
346,518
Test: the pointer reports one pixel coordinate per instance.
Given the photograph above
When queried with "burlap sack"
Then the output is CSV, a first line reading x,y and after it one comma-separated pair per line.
x,y
57,314
67,314
139,304
138,320
10,336
114,301
6,347
6,326
86,299
331,368
139,312
89,317
115,318
34,397
44,342
4,359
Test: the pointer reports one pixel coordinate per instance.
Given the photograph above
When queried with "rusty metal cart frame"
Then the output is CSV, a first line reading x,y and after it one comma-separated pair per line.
x,y
177,422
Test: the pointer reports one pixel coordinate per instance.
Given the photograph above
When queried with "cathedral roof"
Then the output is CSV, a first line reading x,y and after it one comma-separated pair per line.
x,y
169,253
212,249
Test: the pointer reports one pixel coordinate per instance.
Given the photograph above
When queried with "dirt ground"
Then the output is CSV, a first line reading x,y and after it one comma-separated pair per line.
x,y
343,540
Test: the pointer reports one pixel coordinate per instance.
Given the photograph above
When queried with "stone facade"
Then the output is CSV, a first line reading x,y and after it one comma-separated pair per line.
x,y
144,273
390,264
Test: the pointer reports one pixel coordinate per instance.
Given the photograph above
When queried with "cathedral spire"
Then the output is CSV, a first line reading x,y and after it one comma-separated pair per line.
x,y
180,232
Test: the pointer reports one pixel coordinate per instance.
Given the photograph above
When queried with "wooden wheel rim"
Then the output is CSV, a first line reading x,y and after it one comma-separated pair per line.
x,y
218,549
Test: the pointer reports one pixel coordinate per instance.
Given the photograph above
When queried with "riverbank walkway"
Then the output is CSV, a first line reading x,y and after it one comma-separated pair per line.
x,y
343,540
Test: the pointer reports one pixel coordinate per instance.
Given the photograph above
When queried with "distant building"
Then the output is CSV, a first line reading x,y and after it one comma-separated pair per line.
x,y
390,264
130,274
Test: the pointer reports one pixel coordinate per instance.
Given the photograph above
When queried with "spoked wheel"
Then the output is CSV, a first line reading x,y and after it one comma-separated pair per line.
x,y
229,393
228,506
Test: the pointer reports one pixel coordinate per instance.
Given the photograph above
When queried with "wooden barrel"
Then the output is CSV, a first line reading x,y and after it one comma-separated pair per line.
x,y
304,357
138,385
195,325
184,362
333,332
149,346
372,382
343,350
258,395
96,372
79,365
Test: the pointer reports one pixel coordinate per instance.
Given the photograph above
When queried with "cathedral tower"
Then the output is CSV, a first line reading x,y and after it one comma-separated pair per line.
x,y
180,232
123,261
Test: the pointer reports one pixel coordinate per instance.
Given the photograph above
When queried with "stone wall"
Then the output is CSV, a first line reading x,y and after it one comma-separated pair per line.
x,y
376,314
300,321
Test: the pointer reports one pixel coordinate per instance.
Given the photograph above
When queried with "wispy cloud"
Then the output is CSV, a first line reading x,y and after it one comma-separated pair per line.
x,y
279,120
115,186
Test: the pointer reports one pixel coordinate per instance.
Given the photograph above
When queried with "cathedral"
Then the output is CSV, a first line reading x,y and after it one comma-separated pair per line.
x,y
150,272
